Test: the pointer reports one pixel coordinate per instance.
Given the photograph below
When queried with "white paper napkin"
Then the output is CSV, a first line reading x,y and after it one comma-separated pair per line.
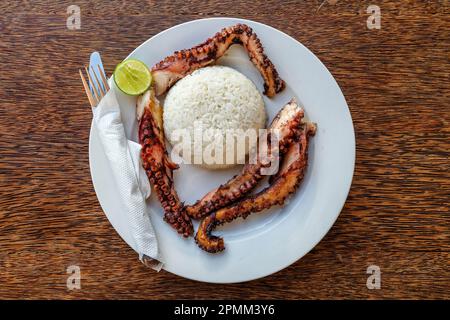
x,y
124,159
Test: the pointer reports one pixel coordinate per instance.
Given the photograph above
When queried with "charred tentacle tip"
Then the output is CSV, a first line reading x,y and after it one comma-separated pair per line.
x,y
205,240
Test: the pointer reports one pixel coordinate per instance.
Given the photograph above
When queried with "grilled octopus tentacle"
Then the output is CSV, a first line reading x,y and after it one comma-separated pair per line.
x,y
181,63
284,183
157,165
286,124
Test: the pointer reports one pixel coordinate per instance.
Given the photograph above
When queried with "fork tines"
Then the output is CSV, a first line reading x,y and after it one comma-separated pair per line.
x,y
99,87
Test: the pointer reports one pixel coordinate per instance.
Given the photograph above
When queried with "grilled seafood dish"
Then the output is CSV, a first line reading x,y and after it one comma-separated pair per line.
x,y
232,199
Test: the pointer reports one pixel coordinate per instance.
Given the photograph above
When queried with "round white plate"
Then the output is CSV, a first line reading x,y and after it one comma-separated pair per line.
x,y
269,241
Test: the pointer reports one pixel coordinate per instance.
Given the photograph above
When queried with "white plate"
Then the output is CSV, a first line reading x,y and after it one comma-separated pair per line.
x,y
270,241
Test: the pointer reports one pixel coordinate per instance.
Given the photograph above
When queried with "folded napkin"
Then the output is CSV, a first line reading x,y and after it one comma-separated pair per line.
x,y
124,159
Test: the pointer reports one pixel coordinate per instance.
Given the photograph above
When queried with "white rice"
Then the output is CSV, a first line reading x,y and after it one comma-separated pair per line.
x,y
218,98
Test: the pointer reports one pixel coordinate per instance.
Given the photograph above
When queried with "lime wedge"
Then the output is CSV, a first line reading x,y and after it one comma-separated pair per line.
x,y
132,77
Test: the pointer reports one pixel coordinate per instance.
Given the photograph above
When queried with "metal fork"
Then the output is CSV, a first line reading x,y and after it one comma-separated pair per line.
x,y
98,90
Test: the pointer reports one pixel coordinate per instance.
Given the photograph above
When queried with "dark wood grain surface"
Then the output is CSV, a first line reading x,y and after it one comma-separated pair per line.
x,y
395,80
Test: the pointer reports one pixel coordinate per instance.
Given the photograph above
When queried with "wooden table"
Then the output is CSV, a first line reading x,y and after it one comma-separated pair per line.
x,y
395,80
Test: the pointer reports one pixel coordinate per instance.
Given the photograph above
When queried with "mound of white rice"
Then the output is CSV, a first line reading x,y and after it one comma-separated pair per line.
x,y
202,110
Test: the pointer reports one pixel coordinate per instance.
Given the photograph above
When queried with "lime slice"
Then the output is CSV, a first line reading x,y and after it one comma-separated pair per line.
x,y
132,77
